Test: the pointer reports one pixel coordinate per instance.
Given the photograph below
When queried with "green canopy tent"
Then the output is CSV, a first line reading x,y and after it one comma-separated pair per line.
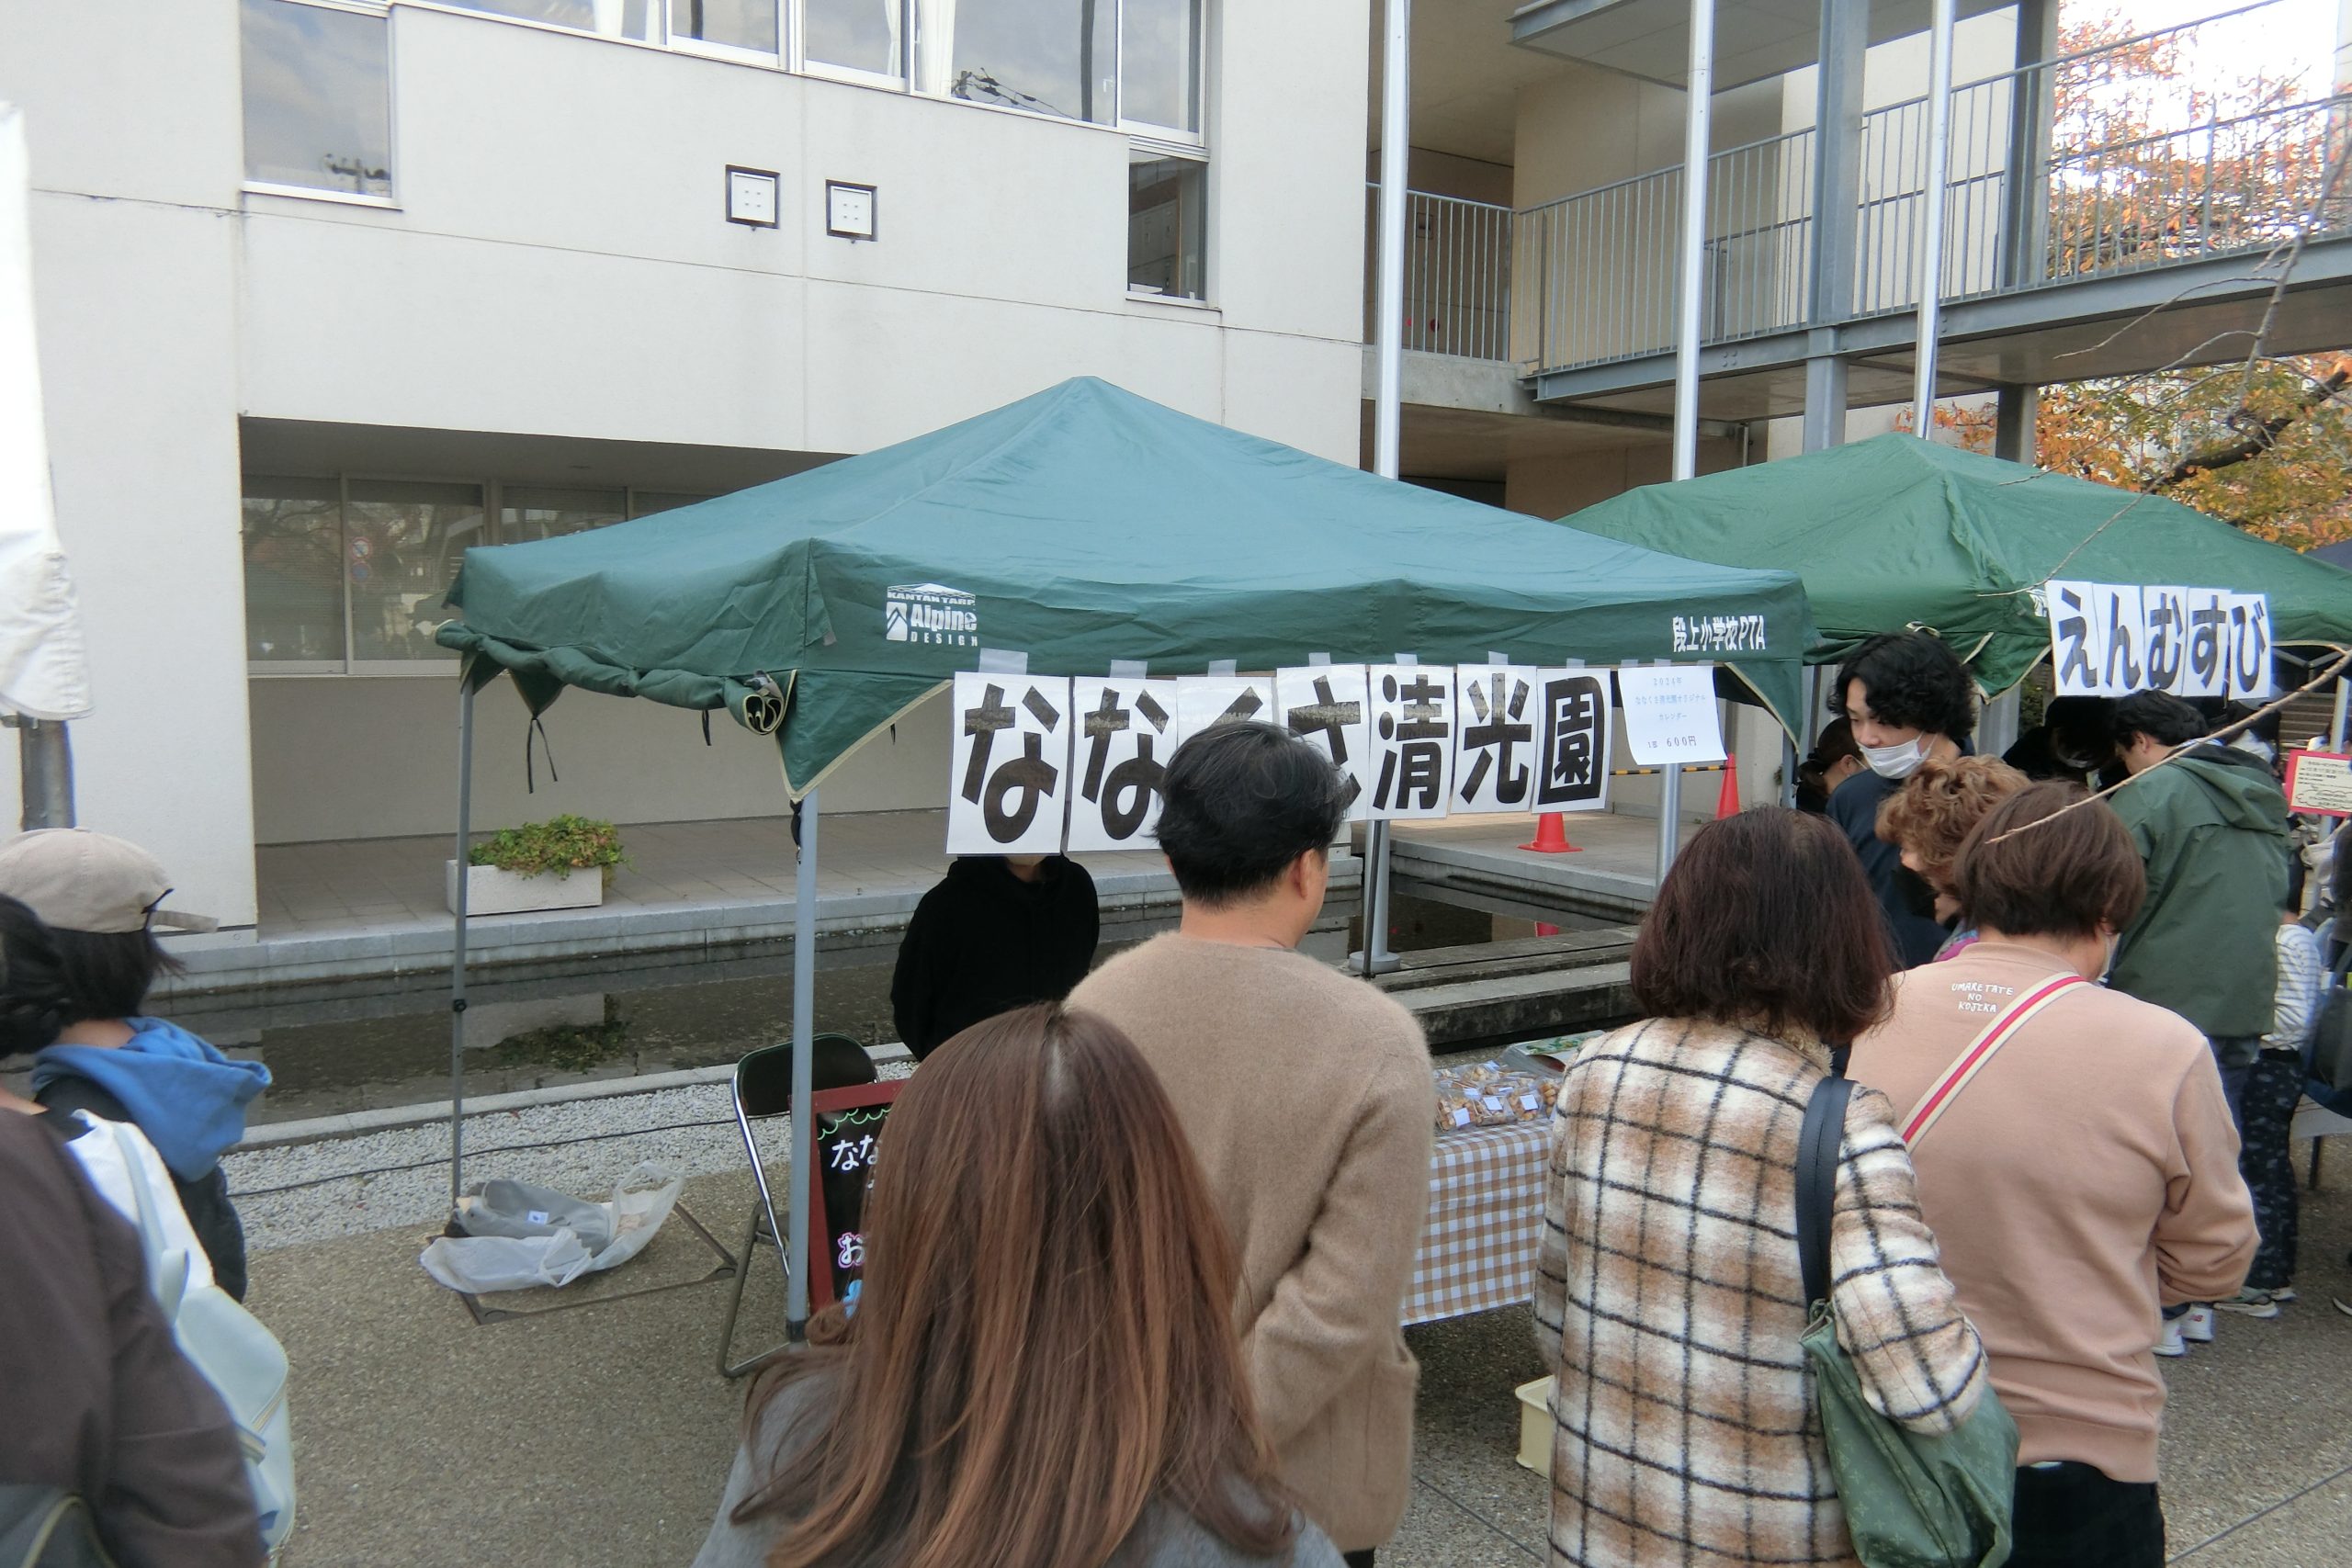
x,y
1078,526
1896,532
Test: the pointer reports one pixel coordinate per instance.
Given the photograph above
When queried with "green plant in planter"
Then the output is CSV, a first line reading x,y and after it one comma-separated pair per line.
x,y
561,844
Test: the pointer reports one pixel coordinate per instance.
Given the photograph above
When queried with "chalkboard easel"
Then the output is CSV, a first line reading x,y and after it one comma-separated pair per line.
x,y
849,1126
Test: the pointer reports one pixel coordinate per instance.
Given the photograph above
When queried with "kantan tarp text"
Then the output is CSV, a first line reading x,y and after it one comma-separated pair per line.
x,y
1080,532
1896,532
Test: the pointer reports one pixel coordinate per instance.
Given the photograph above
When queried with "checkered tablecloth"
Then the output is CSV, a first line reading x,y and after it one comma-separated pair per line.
x,y
1485,1221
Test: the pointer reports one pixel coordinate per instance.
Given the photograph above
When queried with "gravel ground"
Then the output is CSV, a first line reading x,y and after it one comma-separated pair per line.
x,y
337,1187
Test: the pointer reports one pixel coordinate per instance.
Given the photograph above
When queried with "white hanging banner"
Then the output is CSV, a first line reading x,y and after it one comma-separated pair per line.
x,y
2249,647
2209,644
2166,648
1324,705
1010,789
1670,714
1412,741
2123,628
1205,700
1573,741
1494,737
1124,731
2111,639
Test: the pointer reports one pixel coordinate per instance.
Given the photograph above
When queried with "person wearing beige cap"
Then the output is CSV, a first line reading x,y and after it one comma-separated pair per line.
x,y
102,897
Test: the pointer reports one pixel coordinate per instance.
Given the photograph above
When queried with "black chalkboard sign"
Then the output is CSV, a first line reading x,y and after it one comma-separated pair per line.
x,y
849,1132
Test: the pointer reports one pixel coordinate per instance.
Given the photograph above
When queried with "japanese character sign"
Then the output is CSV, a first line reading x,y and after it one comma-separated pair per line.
x,y
2107,640
1324,705
1412,741
1125,730
1494,737
1572,741
1205,700
1010,790
2249,647
2166,646
1670,714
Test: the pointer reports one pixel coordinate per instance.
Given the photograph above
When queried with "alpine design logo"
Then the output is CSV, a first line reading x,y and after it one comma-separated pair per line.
x,y
929,611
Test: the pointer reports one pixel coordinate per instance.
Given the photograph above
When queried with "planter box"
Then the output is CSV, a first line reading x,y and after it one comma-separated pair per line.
x,y
490,891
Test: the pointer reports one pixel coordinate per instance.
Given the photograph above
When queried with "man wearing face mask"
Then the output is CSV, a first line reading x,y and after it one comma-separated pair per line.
x,y
1908,701
999,933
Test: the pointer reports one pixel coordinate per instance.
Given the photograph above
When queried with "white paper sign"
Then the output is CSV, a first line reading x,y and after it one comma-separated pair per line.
x,y
2123,628
2249,647
2078,638
1205,700
1012,749
1573,739
1412,741
2166,648
1494,737
2209,644
1125,731
1324,705
1670,714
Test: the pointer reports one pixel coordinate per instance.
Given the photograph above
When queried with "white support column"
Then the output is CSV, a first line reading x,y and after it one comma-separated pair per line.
x,y
1931,218
1387,403
1697,105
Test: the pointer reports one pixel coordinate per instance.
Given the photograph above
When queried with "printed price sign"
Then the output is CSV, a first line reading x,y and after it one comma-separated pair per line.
x,y
1011,779
2320,782
1126,732
1670,714
1324,705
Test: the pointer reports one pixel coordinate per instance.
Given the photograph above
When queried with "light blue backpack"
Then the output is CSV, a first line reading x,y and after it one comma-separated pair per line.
x,y
242,1360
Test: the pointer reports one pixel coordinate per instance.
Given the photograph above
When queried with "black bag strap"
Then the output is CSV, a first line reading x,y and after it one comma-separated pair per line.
x,y
1817,1148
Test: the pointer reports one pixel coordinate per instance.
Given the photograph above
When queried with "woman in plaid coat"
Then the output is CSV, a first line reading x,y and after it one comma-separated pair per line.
x,y
1667,1294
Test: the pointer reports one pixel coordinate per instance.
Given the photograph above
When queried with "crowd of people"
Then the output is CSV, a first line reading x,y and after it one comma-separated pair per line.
x,y
1133,1290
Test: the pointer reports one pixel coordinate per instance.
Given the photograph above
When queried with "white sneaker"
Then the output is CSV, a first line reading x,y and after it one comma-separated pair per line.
x,y
2174,1342
2197,1324
2255,1303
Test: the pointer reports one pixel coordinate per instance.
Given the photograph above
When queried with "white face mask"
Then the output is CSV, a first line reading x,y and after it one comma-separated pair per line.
x,y
1897,762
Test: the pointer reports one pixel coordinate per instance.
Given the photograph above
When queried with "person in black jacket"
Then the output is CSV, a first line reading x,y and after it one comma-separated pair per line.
x,y
998,932
101,899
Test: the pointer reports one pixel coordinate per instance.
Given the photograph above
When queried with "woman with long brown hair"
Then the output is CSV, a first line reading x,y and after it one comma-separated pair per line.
x,y
1042,1371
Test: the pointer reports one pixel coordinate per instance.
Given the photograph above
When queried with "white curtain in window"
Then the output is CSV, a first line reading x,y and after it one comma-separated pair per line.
x,y
935,45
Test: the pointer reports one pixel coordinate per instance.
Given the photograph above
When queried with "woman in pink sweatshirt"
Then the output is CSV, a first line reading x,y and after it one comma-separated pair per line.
x,y
2085,1176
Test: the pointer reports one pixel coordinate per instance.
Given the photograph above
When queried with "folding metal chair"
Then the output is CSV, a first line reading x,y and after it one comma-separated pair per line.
x,y
763,1088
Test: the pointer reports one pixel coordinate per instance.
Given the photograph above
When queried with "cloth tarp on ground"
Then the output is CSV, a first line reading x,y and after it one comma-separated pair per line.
x,y
1080,525
1895,532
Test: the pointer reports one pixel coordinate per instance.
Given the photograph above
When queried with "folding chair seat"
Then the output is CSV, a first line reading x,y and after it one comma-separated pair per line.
x,y
762,1088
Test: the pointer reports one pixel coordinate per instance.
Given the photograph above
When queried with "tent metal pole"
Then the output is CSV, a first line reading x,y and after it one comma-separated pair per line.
x,y
1931,217
2343,698
1698,107
44,772
1387,404
457,939
804,1001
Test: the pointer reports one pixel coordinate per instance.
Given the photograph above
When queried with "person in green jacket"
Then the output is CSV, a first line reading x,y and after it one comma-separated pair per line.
x,y
2211,827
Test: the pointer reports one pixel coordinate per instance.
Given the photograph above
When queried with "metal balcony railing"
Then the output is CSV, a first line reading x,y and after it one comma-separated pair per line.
x,y
2049,176
1457,274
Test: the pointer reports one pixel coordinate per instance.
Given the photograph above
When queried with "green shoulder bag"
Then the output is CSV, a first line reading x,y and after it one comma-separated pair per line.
x,y
1911,1501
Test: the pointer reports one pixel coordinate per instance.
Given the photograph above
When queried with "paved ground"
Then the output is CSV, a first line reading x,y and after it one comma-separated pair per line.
x,y
591,1428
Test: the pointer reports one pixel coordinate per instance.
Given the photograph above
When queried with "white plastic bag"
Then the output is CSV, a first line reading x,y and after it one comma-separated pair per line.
x,y
640,1203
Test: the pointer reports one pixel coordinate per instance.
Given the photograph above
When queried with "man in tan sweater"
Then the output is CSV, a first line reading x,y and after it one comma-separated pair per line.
x,y
2087,1173
1307,1095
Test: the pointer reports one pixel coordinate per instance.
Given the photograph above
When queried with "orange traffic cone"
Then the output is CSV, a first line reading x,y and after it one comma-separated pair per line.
x,y
1551,836
1727,798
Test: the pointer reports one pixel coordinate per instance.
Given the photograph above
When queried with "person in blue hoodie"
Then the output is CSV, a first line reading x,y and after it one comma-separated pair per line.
x,y
102,898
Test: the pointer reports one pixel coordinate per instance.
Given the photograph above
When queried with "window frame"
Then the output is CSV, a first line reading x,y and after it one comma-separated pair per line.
x,y
1180,152
1152,131
388,202
733,53
825,71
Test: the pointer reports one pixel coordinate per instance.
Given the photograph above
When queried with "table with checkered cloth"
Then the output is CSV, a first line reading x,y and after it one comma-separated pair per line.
x,y
1486,1219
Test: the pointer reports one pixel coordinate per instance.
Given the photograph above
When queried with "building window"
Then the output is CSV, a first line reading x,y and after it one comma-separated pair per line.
x,y
1105,62
402,541
293,532
639,19
745,26
1159,63
318,99
1167,225
548,512
862,37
